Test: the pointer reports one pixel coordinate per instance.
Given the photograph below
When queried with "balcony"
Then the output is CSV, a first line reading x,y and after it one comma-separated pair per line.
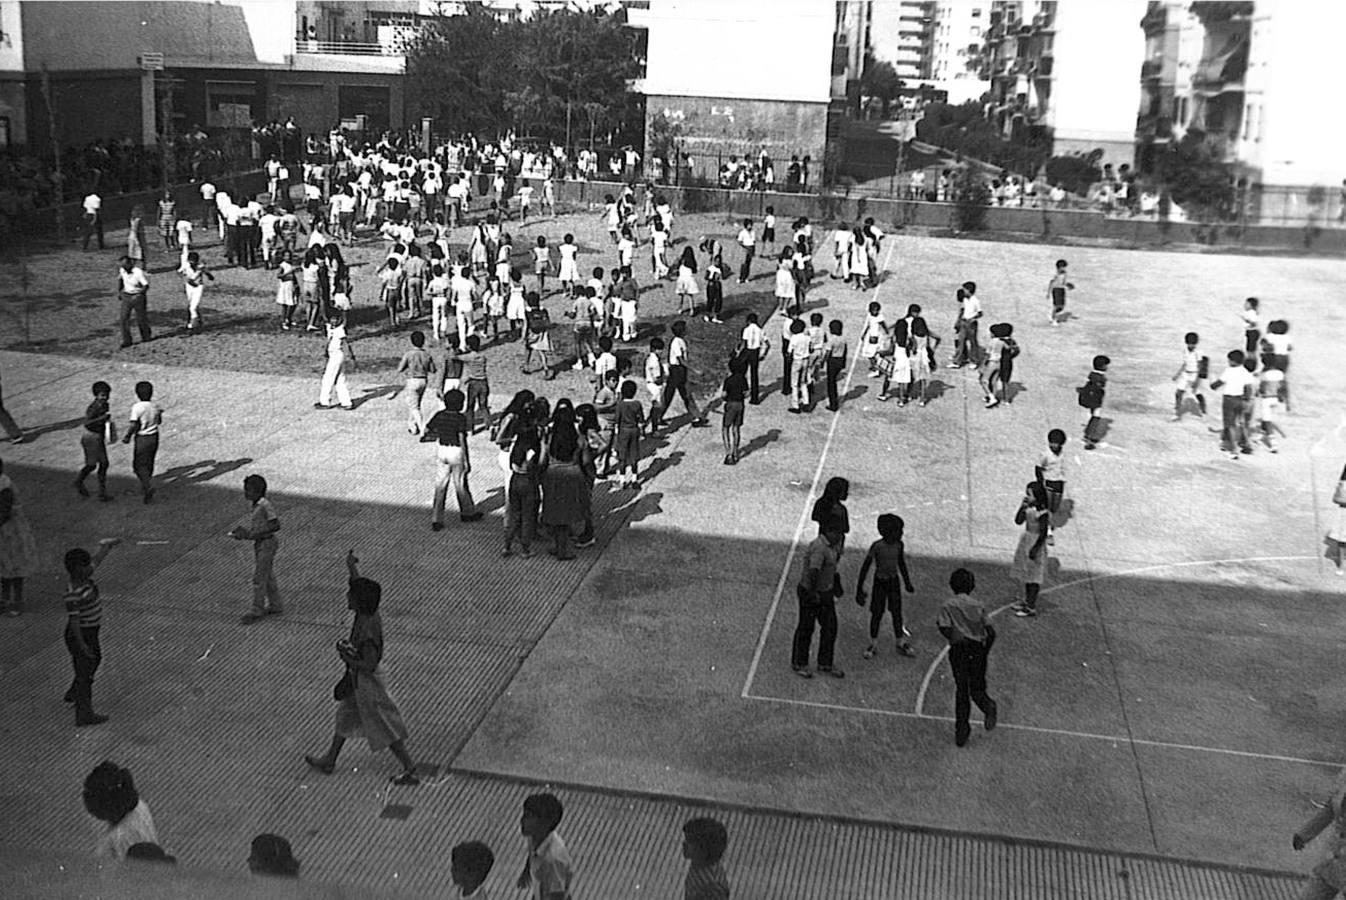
x,y
345,48
1151,69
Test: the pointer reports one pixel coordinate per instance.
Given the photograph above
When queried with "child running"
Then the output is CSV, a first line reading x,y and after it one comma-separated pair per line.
x,y
194,278
888,557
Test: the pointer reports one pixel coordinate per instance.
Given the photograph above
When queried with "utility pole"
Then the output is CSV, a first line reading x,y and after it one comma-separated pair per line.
x,y
56,155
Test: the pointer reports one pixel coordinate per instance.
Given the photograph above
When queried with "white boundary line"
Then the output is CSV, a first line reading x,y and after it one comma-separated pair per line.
x,y
808,501
939,657
1035,729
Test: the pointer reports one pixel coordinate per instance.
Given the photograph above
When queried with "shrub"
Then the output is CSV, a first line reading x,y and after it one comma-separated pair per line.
x,y
971,197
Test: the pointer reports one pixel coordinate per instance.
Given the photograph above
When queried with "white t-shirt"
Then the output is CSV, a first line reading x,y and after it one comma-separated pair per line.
x,y
136,828
1234,380
207,191
134,281
184,228
677,352
92,204
752,336
148,415
971,307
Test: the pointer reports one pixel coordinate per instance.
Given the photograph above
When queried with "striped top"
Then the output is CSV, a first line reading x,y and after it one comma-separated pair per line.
x,y
84,606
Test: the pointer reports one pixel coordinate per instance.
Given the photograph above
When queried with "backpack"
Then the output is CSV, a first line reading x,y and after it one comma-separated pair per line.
x,y
1091,394
539,322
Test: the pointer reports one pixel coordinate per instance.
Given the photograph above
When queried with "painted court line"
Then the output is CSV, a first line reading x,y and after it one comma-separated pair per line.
x,y
1060,732
808,503
942,654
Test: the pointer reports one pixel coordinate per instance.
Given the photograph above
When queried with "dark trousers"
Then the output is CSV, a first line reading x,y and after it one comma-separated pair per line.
x,y
786,359
230,243
745,268
1234,430
93,225
967,349
134,303
823,613
1251,338
677,384
753,359
249,236
968,661
835,364
142,460
81,689
521,510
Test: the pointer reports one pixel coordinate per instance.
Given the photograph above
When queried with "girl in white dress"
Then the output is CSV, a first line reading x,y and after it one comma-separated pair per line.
x,y
858,260
541,264
569,275
658,245
871,337
516,309
687,281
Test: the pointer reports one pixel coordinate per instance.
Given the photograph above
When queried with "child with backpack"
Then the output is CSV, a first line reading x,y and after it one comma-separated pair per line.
x,y
1091,395
537,338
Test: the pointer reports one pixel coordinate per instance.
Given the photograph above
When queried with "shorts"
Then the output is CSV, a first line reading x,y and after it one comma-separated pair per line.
x,y
95,449
769,235
733,413
1058,298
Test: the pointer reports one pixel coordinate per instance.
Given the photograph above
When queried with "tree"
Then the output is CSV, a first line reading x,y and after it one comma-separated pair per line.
x,y
1196,179
559,75
880,81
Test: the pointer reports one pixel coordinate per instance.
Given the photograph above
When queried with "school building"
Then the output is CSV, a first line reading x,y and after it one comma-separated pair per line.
x,y
741,77
117,70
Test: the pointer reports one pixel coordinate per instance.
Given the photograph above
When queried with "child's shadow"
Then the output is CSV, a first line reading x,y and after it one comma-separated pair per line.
x,y
758,443
855,393
495,500
1012,390
387,390
935,389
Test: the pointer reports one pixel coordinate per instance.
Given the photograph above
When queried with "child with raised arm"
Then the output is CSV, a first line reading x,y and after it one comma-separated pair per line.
x,y
888,557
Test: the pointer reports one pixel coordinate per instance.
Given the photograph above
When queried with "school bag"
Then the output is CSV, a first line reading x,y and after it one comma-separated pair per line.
x,y
1091,393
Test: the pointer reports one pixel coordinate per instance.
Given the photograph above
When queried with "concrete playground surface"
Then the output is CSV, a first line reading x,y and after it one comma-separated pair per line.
x,y
1166,723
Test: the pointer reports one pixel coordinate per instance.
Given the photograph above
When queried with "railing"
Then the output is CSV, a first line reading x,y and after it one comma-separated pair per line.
x,y
346,48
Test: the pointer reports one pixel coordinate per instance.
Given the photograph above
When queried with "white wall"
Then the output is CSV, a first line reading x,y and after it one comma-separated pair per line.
x,y
1099,48
748,49
11,48
1298,132
271,24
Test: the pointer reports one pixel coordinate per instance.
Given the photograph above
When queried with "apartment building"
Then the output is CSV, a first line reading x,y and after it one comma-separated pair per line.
x,y
1246,79
1066,71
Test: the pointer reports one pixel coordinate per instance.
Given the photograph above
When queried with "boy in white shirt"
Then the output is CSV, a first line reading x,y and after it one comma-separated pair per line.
x,y
1235,385
748,241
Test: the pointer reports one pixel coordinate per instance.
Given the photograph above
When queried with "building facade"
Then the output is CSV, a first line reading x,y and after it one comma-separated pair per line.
x,y
1244,78
782,74
1066,70
119,70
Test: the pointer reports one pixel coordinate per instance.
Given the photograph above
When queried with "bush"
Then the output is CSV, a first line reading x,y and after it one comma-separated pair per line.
x,y
971,197
1075,173
962,130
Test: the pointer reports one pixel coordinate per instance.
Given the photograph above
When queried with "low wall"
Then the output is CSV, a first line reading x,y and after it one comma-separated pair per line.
x,y
117,208
1039,224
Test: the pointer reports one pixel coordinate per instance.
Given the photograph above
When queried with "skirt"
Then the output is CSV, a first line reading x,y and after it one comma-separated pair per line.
x,y
371,713
570,271
1338,532
686,281
515,309
920,365
285,293
18,547
1026,570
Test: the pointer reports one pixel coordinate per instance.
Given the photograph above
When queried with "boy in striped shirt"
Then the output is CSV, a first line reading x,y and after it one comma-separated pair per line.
x,y
84,608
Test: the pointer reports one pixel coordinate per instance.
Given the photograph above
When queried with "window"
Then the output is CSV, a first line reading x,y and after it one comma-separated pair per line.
x,y
975,31
976,12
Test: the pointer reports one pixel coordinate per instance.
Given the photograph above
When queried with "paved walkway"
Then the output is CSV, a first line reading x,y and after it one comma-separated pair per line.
x,y
213,718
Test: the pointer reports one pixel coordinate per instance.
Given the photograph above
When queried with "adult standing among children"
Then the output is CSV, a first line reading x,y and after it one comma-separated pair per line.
x,y
133,287
18,548
365,709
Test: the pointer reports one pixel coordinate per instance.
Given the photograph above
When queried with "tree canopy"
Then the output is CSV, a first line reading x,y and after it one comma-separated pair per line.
x,y
535,76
